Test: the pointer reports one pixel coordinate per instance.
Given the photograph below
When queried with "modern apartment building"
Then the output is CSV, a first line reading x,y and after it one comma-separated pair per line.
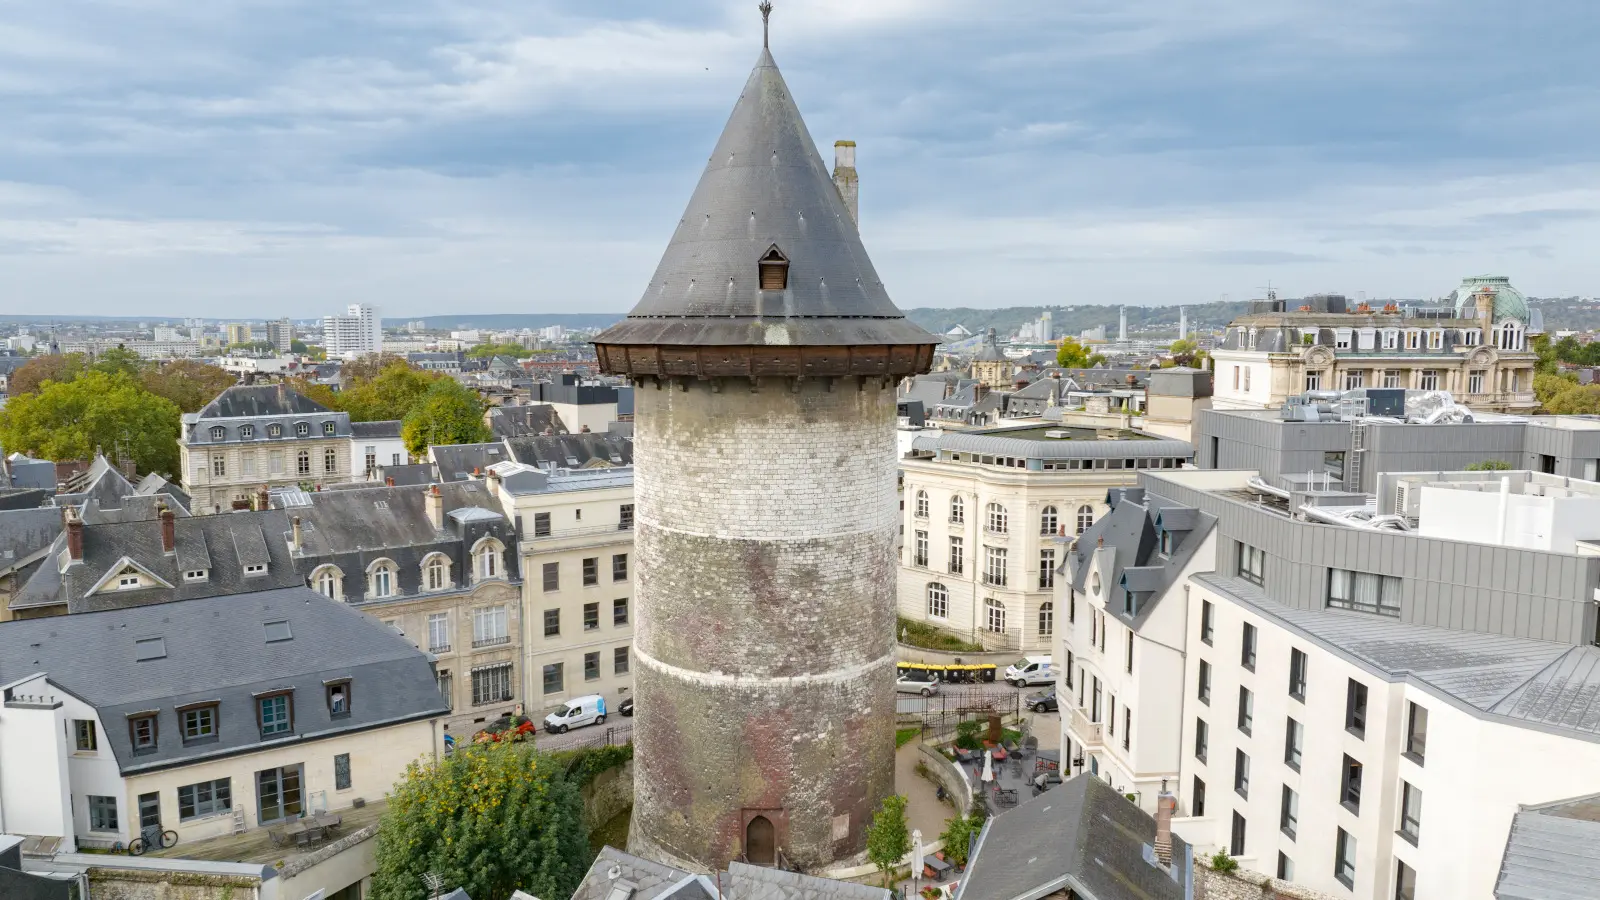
x,y
356,333
983,509
254,435
1364,708
280,333
576,551
1475,347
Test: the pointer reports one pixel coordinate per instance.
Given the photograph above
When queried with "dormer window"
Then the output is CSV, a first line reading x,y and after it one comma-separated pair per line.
x,y
274,430
195,575
128,581
255,570
328,428
246,432
774,270
303,429
218,432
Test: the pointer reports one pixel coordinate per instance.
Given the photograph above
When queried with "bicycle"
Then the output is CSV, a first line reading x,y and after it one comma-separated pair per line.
x,y
164,841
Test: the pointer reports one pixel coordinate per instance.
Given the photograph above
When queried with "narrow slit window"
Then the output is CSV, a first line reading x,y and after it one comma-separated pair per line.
x,y
774,270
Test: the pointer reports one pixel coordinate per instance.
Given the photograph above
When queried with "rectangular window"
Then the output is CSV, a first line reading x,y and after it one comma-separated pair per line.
x,y
1252,564
102,813
591,666
625,517
552,576
619,567
1297,674
1205,682
1413,340
1355,709
1436,340
552,623
275,460
491,684
84,737
208,798
619,611
219,466
1391,339
958,559
994,571
489,627
1197,801
1313,381
1247,710
1208,620
1355,379
275,714
1475,381
1289,812
248,460
1047,569
1410,811
1236,839
1405,882
919,550
438,632
1127,653
1285,867
1294,739
1364,592
1247,379
199,723
1241,773
1416,732
619,661
142,733
446,683
1391,378
591,616
1350,784
553,678
591,570
1344,859
338,699
541,524
1247,647
1202,739
1127,725
341,772
1341,338
1429,380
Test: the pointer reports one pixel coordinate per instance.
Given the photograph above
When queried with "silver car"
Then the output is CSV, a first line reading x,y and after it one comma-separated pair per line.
x,y
916,681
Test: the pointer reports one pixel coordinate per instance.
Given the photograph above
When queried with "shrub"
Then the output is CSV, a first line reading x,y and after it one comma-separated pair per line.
x,y
969,735
921,634
1221,862
904,736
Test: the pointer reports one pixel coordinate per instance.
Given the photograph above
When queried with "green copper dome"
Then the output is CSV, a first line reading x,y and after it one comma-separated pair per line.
x,y
1509,303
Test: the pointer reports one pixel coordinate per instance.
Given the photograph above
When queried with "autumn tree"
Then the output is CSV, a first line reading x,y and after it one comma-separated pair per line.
x,y
491,818
189,383
94,413
1583,399
391,393
366,368
120,360
1185,352
31,375
449,413
1074,355
486,351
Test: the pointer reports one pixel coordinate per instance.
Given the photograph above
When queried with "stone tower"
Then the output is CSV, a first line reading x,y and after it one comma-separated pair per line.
x,y
766,353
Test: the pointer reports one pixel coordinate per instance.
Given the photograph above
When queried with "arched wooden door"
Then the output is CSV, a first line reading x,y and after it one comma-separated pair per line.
x,y
760,842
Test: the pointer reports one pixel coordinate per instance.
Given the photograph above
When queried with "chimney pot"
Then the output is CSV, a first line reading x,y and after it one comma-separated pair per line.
x,y
74,535
295,546
263,498
389,480
169,530
1166,805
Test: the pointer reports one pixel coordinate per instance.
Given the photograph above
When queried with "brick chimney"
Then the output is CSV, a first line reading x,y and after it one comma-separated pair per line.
x,y
263,498
74,534
294,544
1166,805
169,530
434,504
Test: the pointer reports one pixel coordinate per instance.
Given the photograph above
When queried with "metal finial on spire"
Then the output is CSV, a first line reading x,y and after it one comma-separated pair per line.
x,y
766,14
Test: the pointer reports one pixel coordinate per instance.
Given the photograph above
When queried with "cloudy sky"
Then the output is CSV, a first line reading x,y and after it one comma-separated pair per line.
x,y
255,157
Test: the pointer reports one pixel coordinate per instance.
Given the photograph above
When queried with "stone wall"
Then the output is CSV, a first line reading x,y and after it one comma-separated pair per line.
x,y
1244,884
607,796
132,884
765,537
947,773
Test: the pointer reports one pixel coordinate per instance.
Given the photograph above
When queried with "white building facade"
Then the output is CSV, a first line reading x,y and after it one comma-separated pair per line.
x,y
358,332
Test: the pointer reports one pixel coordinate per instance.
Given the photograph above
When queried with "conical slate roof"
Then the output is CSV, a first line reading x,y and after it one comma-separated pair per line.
x,y
765,187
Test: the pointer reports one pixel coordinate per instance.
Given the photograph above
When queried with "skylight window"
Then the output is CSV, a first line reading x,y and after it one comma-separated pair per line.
x,y
278,631
255,570
149,648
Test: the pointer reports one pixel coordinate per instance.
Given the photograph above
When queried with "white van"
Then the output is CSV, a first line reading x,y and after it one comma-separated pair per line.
x,y
1030,670
589,710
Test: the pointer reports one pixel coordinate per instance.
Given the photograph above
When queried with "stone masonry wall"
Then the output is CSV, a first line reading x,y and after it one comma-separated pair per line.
x,y
1244,884
765,633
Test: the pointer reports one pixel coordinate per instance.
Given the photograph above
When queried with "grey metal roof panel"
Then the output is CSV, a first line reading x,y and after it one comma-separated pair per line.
x,y
649,879
1550,855
259,400
384,428
216,649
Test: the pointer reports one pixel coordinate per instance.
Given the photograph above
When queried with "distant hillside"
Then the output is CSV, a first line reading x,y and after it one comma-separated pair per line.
x,y
1072,320
508,321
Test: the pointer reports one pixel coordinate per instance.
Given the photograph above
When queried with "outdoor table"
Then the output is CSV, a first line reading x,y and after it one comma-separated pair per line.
x,y
935,867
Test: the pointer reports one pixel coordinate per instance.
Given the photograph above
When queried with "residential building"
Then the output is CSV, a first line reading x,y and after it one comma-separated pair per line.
x,y
25,539
8,368
449,363
523,419
280,334
376,444
1174,399
167,333
616,875
580,406
254,435
206,717
1475,347
356,333
578,602
982,512
238,333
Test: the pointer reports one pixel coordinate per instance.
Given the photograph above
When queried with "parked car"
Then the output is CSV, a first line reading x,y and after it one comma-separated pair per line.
x,y
1030,670
587,710
626,707
917,681
506,728
1042,701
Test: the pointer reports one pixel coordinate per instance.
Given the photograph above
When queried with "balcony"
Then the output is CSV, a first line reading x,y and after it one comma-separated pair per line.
x,y
1088,732
492,641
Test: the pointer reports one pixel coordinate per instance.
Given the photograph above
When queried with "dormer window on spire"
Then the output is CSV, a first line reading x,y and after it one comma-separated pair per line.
x,y
774,270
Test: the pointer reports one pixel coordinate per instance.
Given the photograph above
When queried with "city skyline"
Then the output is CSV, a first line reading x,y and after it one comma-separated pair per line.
x,y
521,158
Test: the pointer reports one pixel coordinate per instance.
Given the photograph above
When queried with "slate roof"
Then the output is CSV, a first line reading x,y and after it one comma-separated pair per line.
x,y
747,882
100,481
216,650
1127,542
155,484
517,420
382,429
404,475
989,350
645,880
24,532
456,462
1546,685
260,400
573,451
765,185
1081,835
1550,852
649,880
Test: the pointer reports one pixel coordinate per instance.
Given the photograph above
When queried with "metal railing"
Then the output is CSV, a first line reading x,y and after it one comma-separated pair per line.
x,y
587,531
1089,732
491,642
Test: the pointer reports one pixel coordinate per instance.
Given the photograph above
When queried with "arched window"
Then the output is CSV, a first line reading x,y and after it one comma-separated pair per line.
x,y
302,462
436,572
330,461
774,270
1047,619
1085,518
997,518
486,558
381,580
1047,520
938,600
994,615
327,581
958,510
922,505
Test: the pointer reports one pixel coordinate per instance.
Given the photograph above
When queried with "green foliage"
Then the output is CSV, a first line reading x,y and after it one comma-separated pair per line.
x,y
1220,861
957,837
95,412
1580,399
491,818
392,393
584,763
35,372
1185,353
969,734
1074,355
448,414
189,383
921,634
298,346
1488,465
888,837
119,360
1547,386
485,351
904,736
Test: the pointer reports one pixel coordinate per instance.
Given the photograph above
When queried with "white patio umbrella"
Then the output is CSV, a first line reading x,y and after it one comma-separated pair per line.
x,y
988,766
916,860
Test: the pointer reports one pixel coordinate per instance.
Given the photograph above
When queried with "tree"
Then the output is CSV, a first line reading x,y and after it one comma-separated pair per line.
x,y
95,413
119,360
189,383
1186,353
888,839
448,414
1488,465
366,368
957,838
1074,355
484,351
61,367
490,818
1546,386
254,347
1581,399
391,393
